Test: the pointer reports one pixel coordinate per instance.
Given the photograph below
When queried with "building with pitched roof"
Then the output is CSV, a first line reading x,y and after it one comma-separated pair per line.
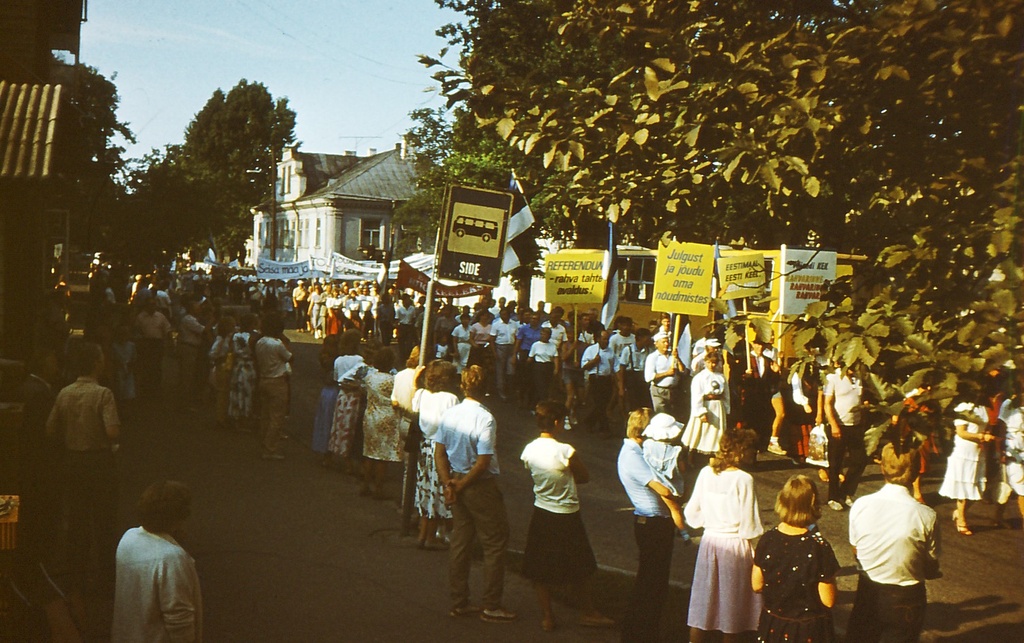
x,y
331,203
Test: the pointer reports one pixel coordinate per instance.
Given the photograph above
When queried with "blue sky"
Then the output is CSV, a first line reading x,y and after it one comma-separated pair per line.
x,y
348,68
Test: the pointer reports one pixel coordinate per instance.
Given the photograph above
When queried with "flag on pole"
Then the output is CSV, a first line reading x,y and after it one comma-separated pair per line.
x,y
611,278
522,220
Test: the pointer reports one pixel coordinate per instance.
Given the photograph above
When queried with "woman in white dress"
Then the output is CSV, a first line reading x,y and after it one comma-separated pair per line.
x,y
709,407
724,504
965,468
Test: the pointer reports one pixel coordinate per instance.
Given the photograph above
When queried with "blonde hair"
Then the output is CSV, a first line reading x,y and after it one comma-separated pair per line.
x,y
797,502
474,379
637,422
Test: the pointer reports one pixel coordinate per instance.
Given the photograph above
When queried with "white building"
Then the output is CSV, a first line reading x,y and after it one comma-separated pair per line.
x,y
332,203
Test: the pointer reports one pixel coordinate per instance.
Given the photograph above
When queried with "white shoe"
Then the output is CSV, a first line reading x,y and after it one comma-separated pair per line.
x,y
773,447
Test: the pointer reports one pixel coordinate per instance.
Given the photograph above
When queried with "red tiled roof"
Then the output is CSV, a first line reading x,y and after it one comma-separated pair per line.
x,y
28,122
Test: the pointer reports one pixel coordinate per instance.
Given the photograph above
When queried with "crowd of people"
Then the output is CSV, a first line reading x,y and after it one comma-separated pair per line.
x,y
696,414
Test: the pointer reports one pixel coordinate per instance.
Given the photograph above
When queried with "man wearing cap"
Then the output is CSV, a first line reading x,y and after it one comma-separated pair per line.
x,y
661,372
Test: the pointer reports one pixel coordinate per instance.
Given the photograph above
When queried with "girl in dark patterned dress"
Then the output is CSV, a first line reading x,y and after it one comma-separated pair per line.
x,y
795,571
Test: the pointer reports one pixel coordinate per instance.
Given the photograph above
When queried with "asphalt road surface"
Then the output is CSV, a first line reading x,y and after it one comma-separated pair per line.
x,y
288,551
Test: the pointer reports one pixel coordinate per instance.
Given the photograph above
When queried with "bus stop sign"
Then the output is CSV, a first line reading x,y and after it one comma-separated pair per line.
x,y
473,242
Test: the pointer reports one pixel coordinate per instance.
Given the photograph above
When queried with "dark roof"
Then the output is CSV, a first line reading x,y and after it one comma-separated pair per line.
x,y
28,122
385,176
319,168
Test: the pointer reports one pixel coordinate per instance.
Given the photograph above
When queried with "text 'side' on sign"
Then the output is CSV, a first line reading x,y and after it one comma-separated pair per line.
x,y
473,242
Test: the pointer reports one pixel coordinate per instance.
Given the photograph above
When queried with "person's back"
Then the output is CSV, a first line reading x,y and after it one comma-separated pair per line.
x,y
157,596
157,586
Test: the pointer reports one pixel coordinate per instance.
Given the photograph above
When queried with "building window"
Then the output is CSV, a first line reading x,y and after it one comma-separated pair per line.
x,y
316,235
370,236
287,180
637,277
303,229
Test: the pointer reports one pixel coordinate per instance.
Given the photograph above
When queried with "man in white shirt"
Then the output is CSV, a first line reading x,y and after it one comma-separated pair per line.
x,y
599,365
272,366
503,332
661,372
897,549
623,335
845,435
559,328
465,452
632,364
157,595
405,315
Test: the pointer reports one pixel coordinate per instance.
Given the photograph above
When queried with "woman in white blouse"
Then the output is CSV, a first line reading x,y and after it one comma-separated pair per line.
x,y
440,381
724,504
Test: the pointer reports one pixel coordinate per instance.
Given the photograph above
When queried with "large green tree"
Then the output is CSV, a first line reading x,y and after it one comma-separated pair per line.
x,y
890,129
231,148
92,162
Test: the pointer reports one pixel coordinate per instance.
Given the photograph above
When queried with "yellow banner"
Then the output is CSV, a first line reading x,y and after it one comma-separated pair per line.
x,y
574,277
682,279
741,275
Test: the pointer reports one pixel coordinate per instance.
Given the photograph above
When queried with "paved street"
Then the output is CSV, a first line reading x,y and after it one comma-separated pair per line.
x,y
288,551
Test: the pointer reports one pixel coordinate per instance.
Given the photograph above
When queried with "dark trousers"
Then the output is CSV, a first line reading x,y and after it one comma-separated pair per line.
x,y
542,373
848,450
638,394
524,380
599,395
91,492
406,341
149,366
887,613
654,539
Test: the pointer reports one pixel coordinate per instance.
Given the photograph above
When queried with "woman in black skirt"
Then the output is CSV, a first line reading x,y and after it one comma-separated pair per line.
x,y
557,549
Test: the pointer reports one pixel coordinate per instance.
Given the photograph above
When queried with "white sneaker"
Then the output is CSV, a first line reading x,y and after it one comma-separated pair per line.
x,y
835,505
773,447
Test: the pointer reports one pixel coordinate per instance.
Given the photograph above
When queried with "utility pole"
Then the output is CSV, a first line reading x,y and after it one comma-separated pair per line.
x,y
273,204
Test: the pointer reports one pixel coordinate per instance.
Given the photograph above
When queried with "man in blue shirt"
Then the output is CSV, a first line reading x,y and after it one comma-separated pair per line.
x,y
654,529
527,333
467,466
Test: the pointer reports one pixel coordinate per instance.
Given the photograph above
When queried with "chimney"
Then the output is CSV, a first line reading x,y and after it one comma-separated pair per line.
x,y
350,152
372,151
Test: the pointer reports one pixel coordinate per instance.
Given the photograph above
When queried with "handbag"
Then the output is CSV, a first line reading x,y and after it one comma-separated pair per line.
x,y
817,447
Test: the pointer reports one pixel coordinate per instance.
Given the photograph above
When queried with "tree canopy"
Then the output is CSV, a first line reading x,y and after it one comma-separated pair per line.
x,y
230,137
890,129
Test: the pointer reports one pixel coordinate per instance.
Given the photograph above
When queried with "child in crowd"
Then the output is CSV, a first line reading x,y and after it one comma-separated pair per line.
x,y
795,570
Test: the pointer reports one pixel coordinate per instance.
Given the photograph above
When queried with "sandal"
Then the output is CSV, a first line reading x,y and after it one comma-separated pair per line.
x,y
961,527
